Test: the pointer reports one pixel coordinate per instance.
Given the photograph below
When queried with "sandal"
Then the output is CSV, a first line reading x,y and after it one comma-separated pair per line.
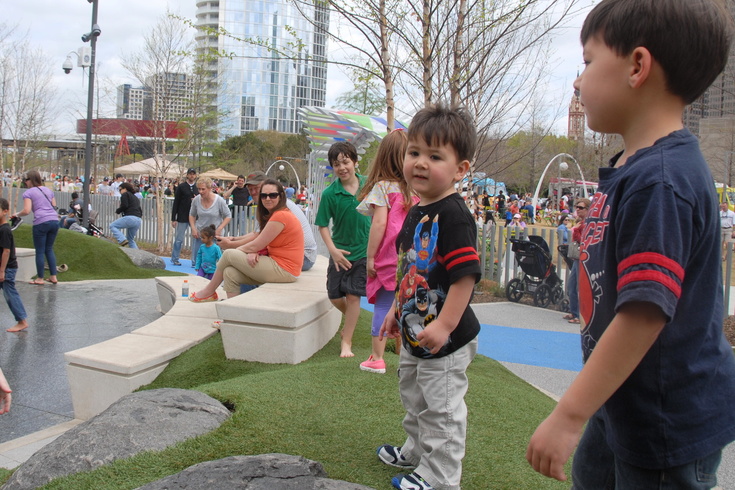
x,y
216,324
193,298
49,280
568,316
574,320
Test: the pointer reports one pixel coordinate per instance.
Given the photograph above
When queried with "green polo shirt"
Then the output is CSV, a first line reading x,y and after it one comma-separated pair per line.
x,y
350,229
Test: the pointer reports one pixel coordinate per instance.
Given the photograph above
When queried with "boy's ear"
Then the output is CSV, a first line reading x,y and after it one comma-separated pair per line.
x,y
641,62
462,169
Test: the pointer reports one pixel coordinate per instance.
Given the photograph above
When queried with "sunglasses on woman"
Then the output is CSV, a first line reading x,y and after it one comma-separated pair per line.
x,y
270,195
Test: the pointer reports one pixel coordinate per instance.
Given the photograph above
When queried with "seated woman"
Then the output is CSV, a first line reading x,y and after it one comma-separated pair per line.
x,y
275,255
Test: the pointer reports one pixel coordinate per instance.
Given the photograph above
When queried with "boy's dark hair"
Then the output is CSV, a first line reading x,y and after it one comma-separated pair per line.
x,y
4,204
344,148
440,125
690,39
75,195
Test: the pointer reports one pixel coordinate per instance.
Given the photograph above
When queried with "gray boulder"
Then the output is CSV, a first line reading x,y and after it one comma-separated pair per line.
x,y
144,259
262,472
146,421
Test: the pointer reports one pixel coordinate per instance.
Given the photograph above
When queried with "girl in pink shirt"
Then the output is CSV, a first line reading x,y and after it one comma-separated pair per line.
x,y
387,198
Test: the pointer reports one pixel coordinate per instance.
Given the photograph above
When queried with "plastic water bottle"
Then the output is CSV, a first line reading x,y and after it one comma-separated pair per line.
x,y
185,289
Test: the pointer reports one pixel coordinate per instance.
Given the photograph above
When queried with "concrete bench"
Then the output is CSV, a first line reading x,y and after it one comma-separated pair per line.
x,y
102,373
280,323
26,264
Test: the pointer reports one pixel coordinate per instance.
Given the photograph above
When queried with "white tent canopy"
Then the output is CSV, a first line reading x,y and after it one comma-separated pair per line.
x,y
150,167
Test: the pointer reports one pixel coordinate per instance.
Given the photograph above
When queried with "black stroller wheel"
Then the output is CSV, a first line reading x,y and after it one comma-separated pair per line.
x,y
557,295
542,298
514,290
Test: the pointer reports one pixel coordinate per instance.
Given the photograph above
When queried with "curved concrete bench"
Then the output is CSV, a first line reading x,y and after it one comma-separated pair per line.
x,y
26,264
275,323
102,373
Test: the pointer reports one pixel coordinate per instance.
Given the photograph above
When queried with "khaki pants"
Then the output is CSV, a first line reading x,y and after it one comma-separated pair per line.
x,y
432,392
236,270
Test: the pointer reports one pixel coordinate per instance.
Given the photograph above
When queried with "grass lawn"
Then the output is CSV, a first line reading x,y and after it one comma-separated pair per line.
x,y
324,409
89,257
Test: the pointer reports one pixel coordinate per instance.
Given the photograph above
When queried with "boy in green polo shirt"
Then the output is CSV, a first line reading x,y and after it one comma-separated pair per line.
x,y
347,242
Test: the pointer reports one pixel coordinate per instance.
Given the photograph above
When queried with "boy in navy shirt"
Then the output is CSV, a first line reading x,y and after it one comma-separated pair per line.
x,y
658,384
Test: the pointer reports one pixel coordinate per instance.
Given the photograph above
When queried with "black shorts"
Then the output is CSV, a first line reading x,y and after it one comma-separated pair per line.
x,y
350,281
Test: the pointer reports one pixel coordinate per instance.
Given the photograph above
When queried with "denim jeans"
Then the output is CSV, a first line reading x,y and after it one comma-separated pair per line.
x,y
131,224
195,244
308,264
11,295
573,290
595,467
179,240
44,236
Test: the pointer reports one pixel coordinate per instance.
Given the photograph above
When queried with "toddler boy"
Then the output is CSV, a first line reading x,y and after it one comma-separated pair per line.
x,y
658,384
438,267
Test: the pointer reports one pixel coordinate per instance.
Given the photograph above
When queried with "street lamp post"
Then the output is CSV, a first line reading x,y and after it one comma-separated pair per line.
x,y
91,38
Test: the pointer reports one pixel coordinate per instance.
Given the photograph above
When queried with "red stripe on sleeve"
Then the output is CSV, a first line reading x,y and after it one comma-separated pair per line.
x,y
655,259
654,276
460,260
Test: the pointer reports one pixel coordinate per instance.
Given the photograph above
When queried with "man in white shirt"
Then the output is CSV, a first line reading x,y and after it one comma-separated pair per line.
x,y
727,219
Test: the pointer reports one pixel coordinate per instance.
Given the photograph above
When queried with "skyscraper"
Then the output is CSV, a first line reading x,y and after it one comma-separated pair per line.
x,y
274,61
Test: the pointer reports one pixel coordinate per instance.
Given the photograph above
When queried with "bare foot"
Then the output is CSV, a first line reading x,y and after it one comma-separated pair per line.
x,y
346,350
22,325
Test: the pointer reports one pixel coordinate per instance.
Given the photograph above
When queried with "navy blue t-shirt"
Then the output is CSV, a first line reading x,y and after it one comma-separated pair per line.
x,y
652,234
436,247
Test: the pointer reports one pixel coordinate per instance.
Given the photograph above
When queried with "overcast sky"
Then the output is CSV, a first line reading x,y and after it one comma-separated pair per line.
x,y
56,26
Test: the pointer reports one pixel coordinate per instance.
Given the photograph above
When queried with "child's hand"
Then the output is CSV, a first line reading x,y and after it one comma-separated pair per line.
x,y
340,261
389,328
551,445
371,272
434,336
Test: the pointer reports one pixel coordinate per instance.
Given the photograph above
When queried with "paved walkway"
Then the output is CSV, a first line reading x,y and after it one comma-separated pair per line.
x,y
535,344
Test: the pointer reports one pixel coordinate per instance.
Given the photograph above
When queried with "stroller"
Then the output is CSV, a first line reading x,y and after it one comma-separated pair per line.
x,y
539,276
93,229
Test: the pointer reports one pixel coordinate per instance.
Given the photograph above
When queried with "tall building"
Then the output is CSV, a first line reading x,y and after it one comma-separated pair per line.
x,y
275,63
575,121
165,97
718,101
130,102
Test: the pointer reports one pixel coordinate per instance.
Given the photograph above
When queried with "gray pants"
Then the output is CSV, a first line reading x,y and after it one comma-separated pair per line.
x,y
432,392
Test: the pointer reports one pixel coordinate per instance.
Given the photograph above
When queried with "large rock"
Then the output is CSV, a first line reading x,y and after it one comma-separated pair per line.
x,y
146,421
262,472
144,259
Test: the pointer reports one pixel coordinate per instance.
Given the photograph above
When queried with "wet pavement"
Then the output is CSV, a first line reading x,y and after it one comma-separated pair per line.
x,y
62,318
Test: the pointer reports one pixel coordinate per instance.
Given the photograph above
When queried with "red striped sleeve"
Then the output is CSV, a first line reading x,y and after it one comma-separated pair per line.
x,y
670,276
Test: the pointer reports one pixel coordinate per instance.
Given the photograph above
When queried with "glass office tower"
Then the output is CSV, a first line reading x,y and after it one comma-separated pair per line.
x,y
275,63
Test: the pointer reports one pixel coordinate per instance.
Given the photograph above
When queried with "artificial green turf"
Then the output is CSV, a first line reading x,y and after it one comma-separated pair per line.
x,y
327,410
324,409
89,257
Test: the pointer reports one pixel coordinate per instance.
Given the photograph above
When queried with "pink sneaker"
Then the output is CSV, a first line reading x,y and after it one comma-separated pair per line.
x,y
373,366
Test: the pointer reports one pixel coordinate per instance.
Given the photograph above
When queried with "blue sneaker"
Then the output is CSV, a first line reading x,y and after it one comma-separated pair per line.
x,y
410,482
391,455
